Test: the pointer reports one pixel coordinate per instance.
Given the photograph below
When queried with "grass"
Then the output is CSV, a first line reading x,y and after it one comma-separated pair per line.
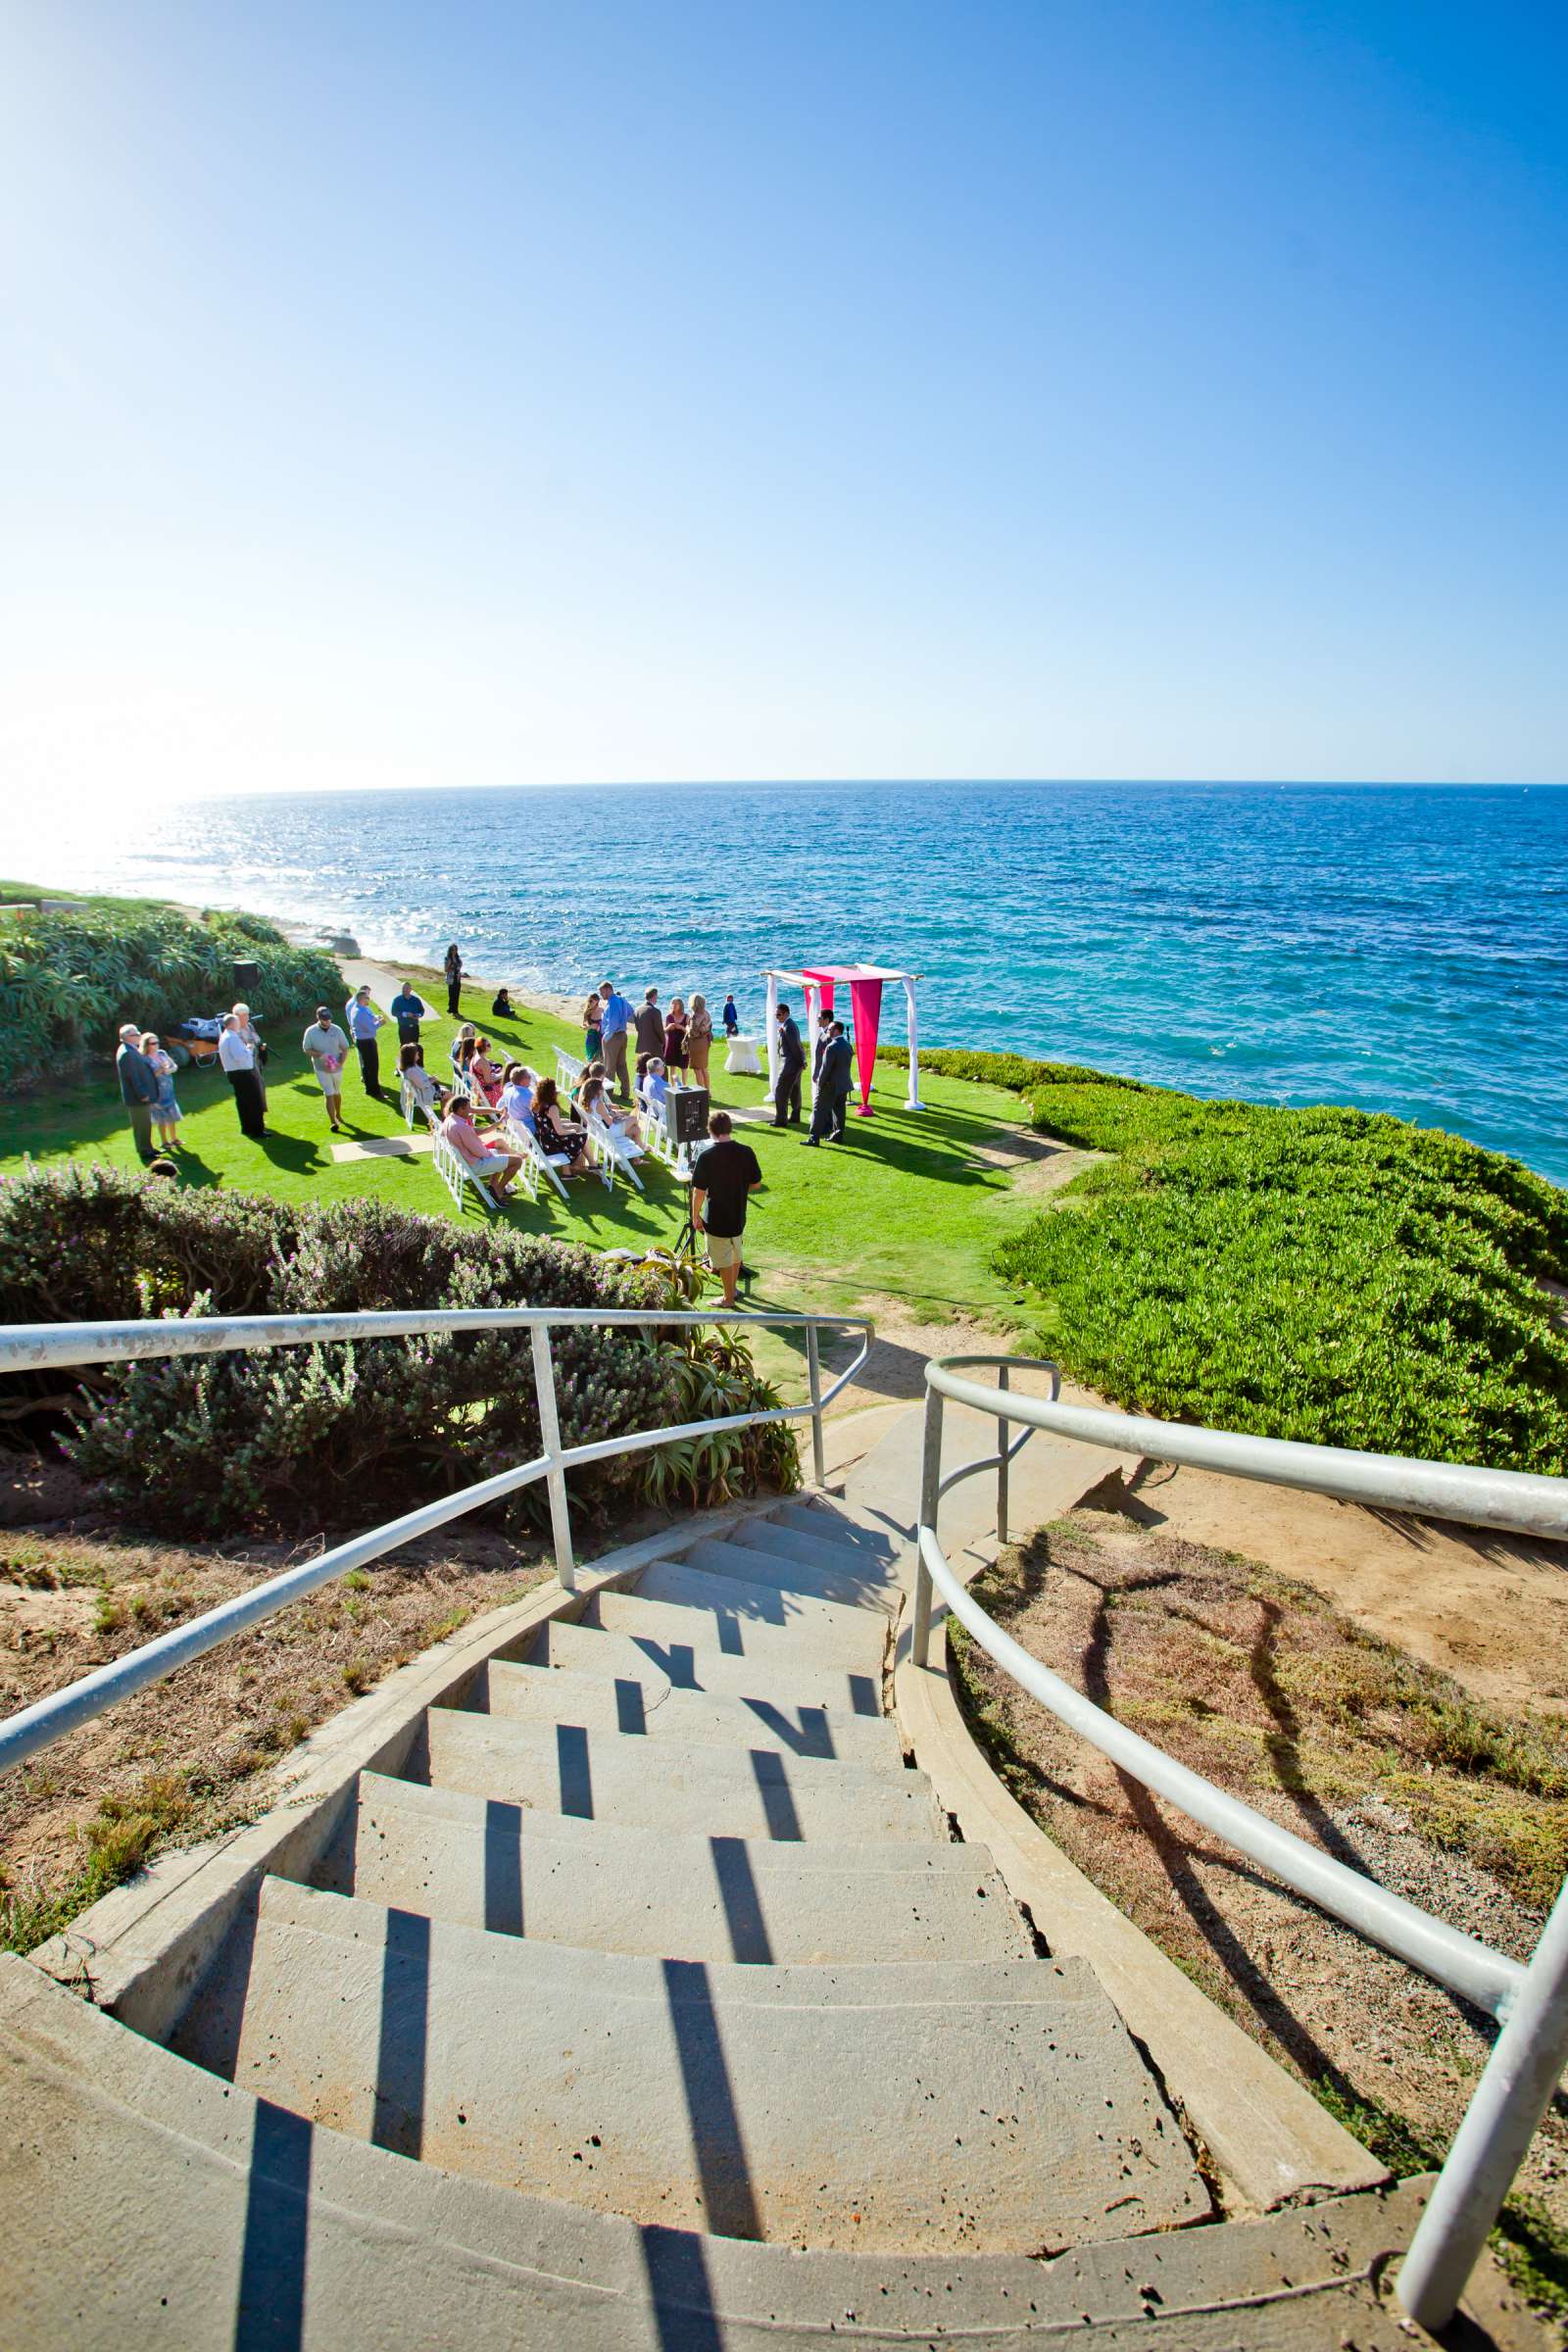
x,y
905,1210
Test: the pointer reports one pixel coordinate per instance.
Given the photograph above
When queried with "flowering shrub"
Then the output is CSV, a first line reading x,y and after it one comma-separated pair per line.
x,y
311,1437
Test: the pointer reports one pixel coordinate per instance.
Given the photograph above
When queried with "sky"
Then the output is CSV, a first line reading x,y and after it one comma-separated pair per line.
x,y
410,395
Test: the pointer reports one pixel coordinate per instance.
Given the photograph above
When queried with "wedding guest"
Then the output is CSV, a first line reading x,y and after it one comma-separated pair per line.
x,y
654,1086
498,1170
327,1049
484,1073
517,1094
453,967
407,1010
138,1088
723,1178
418,1082
597,1104
592,1033
501,1009
676,1027
257,1044
556,1134
834,1076
699,1040
824,1030
167,1113
240,1067
462,1045
789,1062
650,1030
363,1022
730,1017
615,1019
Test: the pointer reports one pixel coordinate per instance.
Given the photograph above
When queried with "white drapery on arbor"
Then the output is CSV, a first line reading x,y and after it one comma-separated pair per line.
x,y
817,983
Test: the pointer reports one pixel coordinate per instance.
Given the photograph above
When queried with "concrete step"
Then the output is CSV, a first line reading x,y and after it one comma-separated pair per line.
x,y
821,1546
851,1636
780,1676
845,1524
518,1871
796,1579
216,2222
711,1626
665,1785
651,1706
991,2107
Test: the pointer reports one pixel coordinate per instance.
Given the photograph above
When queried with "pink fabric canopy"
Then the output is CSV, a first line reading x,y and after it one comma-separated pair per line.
x,y
865,983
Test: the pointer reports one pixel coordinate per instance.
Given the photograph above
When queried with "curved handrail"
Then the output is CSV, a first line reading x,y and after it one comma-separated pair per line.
x,y
31,1347
1530,2001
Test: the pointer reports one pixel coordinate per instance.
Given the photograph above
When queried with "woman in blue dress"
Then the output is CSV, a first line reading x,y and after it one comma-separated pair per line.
x,y
167,1113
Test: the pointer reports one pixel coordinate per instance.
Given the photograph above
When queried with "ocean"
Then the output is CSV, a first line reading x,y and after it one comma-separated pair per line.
x,y
1401,947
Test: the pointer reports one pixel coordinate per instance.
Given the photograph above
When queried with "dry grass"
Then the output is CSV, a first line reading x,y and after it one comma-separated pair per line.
x,y
190,1756
1258,1681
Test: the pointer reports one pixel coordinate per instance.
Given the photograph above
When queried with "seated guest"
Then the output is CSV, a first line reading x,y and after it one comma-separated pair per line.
x,y
502,1008
655,1086
556,1133
497,1169
517,1094
462,1045
602,1105
484,1073
418,1082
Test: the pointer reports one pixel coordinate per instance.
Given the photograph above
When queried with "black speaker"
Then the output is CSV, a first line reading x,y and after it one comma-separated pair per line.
x,y
690,1106
247,980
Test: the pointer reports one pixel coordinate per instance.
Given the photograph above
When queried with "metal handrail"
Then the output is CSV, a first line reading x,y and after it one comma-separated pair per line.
x,y
31,1347
1531,2002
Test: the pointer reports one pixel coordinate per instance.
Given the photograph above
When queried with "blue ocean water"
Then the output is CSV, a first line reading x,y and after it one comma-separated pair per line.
x,y
1403,948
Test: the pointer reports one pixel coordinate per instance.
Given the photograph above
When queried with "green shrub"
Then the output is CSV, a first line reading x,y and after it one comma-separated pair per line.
x,y
1325,1274
69,979
307,1438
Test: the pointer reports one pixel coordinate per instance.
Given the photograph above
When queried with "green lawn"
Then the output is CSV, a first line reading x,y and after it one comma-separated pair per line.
x,y
904,1213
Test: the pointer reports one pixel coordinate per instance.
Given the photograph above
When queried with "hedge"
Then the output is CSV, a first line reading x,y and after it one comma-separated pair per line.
x,y
309,1437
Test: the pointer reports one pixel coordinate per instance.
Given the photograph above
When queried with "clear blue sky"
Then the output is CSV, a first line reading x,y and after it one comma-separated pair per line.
x,y
496,394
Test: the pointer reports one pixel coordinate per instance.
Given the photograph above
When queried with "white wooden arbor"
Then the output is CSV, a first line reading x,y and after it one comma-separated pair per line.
x,y
818,984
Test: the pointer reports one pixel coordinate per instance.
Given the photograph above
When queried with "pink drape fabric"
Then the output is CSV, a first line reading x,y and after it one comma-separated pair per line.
x,y
866,997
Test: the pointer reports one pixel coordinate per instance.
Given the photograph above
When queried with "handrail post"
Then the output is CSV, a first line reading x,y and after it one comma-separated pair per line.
x,y
544,1381
1002,1381
814,1367
1502,2119
930,1504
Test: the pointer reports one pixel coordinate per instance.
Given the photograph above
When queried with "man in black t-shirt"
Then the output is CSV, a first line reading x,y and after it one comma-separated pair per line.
x,y
725,1175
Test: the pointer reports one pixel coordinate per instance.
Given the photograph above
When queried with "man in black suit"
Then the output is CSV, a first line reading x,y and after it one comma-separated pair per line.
x,y
789,1062
833,1078
819,1043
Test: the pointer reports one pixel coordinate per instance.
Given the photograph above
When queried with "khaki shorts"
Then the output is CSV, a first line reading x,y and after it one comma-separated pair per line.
x,y
723,1250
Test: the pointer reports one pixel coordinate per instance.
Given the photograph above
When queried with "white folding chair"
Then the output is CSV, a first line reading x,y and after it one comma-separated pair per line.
x,y
613,1152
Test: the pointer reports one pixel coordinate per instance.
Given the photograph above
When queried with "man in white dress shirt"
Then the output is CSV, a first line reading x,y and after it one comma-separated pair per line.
x,y
239,1064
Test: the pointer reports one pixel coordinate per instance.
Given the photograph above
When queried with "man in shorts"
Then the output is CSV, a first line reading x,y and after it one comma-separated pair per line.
x,y
326,1048
723,1178
497,1169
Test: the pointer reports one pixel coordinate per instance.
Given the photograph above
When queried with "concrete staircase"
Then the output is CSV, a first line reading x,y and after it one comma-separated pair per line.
x,y
642,1997
660,1922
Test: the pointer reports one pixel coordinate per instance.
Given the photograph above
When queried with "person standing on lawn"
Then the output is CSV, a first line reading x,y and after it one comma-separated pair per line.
x,y
253,1038
615,1019
699,1040
326,1048
138,1088
650,1032
730,1017
363,1022
167,1113
409,1010
789,1062
725,1176
453,967
834,1077
240,1067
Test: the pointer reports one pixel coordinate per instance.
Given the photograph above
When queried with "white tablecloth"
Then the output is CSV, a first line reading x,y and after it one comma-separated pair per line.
x,y
741,1060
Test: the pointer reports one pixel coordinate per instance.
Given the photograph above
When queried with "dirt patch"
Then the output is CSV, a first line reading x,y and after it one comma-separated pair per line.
x,y
1043,1162
1260,1683
202,1751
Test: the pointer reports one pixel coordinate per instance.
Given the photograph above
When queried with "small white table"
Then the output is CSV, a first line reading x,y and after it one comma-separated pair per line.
x,y
741,1060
